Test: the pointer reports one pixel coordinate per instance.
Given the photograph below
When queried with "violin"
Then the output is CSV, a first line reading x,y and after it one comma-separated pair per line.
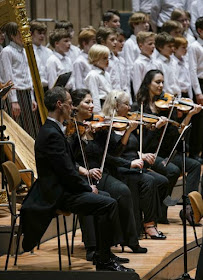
x,y
149,118
119,123
100,122
71,127
182,104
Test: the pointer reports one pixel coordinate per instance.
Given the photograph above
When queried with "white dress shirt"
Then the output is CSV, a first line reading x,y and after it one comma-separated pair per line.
x,y
14,67
113,70
99,84
161,10
140,67
183,75
73,53
42,54
81,68
57,64
190,38
124,82
196,12
195,52
142,6
168,67
130,53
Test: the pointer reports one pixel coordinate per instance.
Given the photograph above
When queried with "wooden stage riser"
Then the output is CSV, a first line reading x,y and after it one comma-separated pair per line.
x,y
175,268
50,233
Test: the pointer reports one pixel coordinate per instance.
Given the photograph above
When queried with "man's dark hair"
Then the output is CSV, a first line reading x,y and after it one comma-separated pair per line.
x,y
52,96
108,15
199,23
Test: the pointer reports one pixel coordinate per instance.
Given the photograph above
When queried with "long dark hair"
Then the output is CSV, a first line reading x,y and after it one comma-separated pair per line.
x,y
78,95
143,93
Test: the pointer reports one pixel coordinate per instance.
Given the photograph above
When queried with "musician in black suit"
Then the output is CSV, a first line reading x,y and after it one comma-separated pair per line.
x,y
59,186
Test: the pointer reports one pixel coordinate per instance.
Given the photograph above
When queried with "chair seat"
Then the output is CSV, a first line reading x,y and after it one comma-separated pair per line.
x,y
62,212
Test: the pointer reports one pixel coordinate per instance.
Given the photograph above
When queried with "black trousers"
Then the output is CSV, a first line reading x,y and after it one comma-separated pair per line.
x,y
122,194
148,192
196,135
171,171
199,272
193,169
104,211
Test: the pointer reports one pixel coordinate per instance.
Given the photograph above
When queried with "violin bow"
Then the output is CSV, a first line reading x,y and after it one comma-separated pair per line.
x,y
107,141
83,153
165,127
141,131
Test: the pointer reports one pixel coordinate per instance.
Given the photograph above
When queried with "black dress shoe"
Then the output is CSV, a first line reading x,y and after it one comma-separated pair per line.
x,y
89,254
118,259
136,249
112,266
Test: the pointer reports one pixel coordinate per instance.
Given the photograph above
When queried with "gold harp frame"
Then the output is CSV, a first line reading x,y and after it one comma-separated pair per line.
x,y
15,10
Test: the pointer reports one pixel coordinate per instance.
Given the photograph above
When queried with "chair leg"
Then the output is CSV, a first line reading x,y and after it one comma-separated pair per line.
x,y
59,243
67,243
73,231
18,241
10,243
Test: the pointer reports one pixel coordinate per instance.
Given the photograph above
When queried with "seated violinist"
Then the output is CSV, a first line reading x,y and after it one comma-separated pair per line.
x,y
94,150
150,91
148,188
59,186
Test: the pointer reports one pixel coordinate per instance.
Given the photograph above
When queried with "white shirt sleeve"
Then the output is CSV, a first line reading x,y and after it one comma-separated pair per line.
x,y
91,82
192,52
155,10
137,76
6,61
136,5
51,69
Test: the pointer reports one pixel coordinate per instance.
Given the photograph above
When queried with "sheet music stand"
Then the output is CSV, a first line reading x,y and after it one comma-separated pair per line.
x,y
182,138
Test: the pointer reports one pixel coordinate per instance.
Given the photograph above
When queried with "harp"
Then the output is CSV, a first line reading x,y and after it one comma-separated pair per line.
x,y
14,10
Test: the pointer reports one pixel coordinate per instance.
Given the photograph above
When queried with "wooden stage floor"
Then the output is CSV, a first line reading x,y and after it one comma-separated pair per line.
x,y
158,251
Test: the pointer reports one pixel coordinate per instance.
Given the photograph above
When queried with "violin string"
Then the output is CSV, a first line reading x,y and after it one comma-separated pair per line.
x,y
82,151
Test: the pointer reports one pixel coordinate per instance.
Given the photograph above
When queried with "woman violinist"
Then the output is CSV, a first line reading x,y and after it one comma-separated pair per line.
x,y
83,102
150,91
148,188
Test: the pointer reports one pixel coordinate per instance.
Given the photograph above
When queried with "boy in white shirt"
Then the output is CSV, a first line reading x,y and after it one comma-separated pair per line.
x,y
73,51
21,104
58,63
98,80
111,18
182,17
124,84
164,44
81,66
196,70
38,31
182,67
108,37
144,62
138,22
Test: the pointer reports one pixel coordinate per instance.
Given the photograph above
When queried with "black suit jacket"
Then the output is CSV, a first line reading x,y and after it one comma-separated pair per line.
x,y
57,175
